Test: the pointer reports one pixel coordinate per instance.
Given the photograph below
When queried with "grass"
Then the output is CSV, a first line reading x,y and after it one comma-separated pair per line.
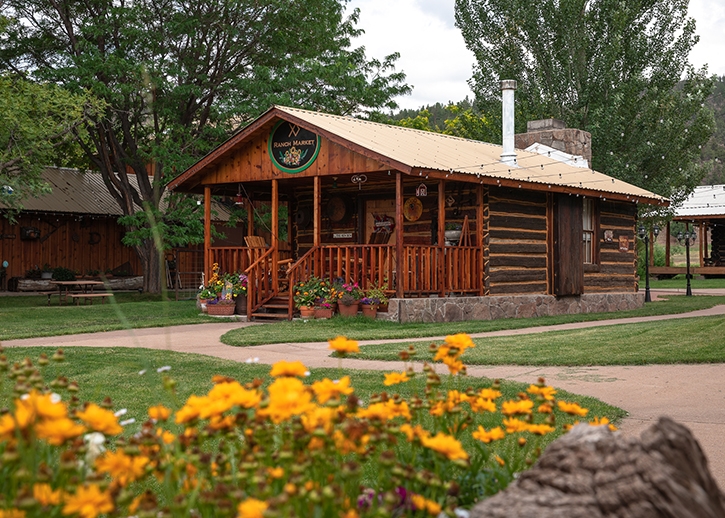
x,y
679,281
114,372
690,340
360,328
30,316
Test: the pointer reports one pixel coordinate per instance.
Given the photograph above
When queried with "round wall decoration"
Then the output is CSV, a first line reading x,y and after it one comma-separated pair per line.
x,y
303,217
336,209
292,148
413,209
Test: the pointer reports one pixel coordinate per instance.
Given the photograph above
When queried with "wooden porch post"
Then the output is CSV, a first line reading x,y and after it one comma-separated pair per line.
x,y
275,233
441,238
250,218
667,244
399,234
317,222
702,242
207,233
479,238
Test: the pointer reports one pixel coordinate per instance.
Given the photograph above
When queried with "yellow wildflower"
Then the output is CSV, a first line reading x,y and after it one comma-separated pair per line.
x,y
546,392
224,396
12,513
251,508
190,411
572,408
515,425
57,431
343,345
385,411
284,368
421,503
287,397
512,407
602,421
454,365
446,445
45,495
318,417
159,413
487,436
500,461
545,408
327,389
394,378
489,393
315,444
540,429
166,436
347,445
277,472
100,419
123,468
461,341
41,406
413,432
88,501
480,404
443,352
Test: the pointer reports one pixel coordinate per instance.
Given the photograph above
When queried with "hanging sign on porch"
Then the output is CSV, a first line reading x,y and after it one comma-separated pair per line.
x,y
292,148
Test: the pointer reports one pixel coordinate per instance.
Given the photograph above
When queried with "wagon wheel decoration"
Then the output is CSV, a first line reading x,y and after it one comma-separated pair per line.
x,y
413,209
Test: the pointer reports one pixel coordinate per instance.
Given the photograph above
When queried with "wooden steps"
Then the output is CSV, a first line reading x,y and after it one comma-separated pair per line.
x,y
274,309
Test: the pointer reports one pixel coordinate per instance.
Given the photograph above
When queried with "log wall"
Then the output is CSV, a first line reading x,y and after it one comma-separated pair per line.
x,y
617,268
517,242
80,244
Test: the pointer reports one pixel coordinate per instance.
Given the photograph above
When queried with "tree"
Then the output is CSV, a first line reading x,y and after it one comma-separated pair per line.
x,y
616,69
179,76
37,122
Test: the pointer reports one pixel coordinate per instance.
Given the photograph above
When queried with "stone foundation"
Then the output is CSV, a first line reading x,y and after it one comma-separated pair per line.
x,y
459,309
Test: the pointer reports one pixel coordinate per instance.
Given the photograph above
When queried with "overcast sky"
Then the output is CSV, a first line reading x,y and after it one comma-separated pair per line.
x,y
437,63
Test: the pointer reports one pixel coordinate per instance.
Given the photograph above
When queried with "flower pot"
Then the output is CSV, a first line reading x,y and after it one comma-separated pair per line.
x,y
383,308
452,237
240,305
323,313
220,309
347,310
46,275
369,310
202,305
307,312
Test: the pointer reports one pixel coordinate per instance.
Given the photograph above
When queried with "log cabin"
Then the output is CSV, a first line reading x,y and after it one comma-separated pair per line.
x,y
372,203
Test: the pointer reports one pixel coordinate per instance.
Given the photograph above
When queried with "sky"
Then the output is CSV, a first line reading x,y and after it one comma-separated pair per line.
x,y
438,64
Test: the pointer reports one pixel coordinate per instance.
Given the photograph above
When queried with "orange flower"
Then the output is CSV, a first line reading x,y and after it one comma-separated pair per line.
x,y
124,468
287,397
423,504
394,378
57,431
159,413
88,501
342,345
541,429
45,495
461,341
489,393
100,419
284,368
512,407
251,508
600,422
546,392
572,408
480,404
487,436
328,389
446,445
515,425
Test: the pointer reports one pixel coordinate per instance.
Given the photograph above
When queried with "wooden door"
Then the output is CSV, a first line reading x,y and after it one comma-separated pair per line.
x,y
568,232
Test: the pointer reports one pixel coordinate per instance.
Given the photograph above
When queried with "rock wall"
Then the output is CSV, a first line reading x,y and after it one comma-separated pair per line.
x,y
459,309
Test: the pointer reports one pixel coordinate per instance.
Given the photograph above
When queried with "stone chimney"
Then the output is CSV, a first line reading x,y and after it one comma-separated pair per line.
x,y
555,134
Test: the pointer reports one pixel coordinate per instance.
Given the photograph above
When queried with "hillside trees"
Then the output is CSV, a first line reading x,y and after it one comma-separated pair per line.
x,y
619,70
179,76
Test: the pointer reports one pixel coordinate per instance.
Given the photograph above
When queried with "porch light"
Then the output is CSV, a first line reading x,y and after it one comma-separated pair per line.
x,y
688,239
238,200
644,236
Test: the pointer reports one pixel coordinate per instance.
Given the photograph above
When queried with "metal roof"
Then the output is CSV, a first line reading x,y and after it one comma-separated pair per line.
x,y
438,152
706,200
83,192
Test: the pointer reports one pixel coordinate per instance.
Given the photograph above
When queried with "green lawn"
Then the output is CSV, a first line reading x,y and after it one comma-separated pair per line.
x,y
360,328
680,282
30,316
115,372
687,340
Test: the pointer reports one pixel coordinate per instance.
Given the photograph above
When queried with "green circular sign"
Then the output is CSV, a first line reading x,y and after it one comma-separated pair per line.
x,y
292,148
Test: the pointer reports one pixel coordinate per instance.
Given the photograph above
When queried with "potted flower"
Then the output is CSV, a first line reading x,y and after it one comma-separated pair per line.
x,y
453,233
46,272
349,299
324,309
225,304
305,294
369,307
378,293
205,295
239,282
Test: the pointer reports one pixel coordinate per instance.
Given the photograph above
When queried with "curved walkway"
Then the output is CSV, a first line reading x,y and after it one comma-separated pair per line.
x,y
691,394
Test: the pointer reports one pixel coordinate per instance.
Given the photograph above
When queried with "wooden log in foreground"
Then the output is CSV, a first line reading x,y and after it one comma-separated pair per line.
x,y
592,472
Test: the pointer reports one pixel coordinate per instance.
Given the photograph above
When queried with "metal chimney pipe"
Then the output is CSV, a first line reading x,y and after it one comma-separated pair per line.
x,y
508,87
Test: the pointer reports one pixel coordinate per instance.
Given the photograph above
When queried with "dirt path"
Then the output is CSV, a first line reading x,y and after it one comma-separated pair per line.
x,y
692,394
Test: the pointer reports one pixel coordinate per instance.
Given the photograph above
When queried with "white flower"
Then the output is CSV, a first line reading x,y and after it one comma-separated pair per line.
x,y
164,368
142,372
127,422
121,412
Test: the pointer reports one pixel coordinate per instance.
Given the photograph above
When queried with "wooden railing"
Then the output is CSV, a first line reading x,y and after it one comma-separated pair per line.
x,y
443,270
260,287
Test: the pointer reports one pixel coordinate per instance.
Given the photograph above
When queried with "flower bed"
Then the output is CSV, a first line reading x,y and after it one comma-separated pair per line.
x,y
286,448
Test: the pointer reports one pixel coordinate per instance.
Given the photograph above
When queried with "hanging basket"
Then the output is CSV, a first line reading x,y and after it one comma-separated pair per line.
x,y
347,310
220,309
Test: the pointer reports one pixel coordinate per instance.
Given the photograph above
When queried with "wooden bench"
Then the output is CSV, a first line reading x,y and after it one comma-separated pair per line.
x,y
49,294
89,297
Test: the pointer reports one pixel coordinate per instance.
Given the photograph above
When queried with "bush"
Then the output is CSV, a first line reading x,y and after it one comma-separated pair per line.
x,y
63,274
292,449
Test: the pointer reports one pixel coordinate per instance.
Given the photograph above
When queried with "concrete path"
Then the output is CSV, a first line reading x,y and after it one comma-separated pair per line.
x,y
691,394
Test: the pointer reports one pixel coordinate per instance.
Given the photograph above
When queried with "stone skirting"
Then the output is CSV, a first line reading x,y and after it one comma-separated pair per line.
x,y
459,309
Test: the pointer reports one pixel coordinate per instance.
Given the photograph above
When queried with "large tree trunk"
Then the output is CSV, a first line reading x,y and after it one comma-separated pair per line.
x,y
151,261
594,473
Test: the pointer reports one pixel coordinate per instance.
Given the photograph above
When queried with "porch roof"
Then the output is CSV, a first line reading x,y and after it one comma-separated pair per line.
x,y
706,202
418,152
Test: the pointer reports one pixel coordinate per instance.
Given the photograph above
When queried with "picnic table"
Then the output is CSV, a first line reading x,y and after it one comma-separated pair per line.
x,y
78,289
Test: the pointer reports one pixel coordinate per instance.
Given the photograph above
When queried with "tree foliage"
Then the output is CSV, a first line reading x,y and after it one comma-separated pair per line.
x,y
713,153
37,123
609,67
179,76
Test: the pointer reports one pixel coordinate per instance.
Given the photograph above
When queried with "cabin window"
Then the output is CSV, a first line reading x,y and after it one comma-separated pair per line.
x,y
588,227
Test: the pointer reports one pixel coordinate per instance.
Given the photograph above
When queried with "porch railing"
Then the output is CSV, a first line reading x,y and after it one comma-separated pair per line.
x,y
431,269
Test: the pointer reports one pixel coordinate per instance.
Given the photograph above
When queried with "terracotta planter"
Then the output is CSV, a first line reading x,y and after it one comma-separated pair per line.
x,y
383,308
323,313
348,311
202,304
307,312
220,309
240,305
369,310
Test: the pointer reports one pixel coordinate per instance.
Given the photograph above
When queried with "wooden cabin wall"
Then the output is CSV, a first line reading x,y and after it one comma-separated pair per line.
x,y
617,268
89,243
518,242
